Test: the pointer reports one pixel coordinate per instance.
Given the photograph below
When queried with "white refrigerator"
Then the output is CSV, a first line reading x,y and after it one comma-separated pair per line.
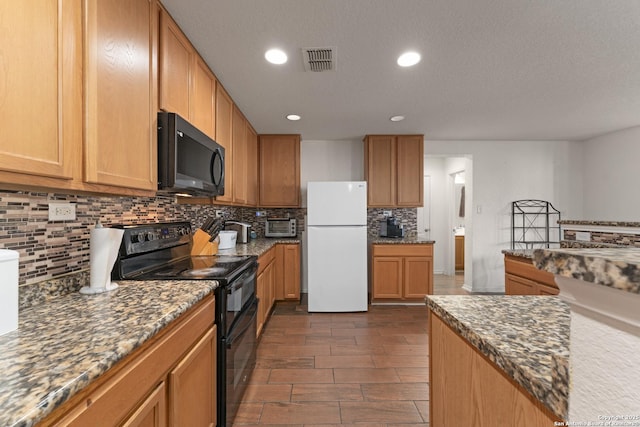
x,y
337,246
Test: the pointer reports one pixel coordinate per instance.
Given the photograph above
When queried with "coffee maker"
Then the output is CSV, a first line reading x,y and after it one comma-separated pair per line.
x,y
389,227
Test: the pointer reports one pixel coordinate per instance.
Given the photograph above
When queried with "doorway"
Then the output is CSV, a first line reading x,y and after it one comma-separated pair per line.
x,y
446,217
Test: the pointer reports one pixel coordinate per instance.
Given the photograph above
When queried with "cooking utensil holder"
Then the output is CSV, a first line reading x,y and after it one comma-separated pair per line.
x,y
202,245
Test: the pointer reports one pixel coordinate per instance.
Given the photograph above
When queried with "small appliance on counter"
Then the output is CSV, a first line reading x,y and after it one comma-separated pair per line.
x,y
228,239
280,227
242,228
8,290
389,227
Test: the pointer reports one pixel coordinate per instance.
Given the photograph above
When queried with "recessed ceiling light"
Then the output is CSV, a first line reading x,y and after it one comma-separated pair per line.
x,y
397,118
408,59
275,56
293,117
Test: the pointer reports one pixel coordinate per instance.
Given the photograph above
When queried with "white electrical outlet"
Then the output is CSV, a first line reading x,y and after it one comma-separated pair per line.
x,y
218,213
62,211
583,236
387,213
261,213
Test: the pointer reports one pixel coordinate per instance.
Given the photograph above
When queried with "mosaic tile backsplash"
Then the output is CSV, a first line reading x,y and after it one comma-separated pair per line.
x,y
53,249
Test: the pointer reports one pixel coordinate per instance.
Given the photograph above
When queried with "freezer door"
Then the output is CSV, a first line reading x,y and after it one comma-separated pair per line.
x,y
337,268
337,203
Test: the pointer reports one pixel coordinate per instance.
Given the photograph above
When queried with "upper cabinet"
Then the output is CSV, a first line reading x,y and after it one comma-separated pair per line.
x,y
187,85
394,169
240,164
121,93
224,137
44,109
252,166
176,61
87,123
279,179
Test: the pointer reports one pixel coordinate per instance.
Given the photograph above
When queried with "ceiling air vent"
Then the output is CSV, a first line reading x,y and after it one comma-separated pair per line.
x,y
319,58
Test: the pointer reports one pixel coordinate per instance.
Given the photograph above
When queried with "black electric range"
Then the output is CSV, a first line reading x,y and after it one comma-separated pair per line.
x,y
162,252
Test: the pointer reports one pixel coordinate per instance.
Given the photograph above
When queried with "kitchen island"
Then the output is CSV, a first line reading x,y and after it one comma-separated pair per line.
x,y
67,343
570,359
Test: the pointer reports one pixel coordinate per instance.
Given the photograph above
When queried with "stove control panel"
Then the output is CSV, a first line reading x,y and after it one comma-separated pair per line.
x,y
139,239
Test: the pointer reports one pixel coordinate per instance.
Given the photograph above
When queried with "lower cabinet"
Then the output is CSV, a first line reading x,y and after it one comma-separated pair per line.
x,y
169,381
278,279
468,390
288,272
265,287
401,272
523,278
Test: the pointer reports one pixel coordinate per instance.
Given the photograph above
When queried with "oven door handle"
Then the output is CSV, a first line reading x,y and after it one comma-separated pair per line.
x,y
243,323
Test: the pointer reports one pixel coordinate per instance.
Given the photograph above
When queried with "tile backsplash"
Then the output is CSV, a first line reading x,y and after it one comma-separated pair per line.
x,y
408,217
53,249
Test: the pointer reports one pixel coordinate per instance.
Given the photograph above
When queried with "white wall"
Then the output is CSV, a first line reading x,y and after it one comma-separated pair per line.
x,y
504,171
330,161
611,177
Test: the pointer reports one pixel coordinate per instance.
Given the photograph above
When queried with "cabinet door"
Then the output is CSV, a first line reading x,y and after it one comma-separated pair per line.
x,y
291,265
459,253
515,285
224,131
40,88
203,98
410,170
176,55
192,385
380,170
240,169
547,290
279,170
417,282
121,93
252,166
387,277
152,412
270,293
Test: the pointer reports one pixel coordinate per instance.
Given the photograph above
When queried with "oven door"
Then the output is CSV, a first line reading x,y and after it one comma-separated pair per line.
x,y
240,292
240,348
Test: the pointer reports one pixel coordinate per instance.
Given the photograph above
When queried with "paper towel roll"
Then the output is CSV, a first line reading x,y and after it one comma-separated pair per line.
x,y
103,251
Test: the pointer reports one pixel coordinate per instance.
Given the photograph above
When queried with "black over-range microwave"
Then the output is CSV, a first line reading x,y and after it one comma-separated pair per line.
x,y
188,160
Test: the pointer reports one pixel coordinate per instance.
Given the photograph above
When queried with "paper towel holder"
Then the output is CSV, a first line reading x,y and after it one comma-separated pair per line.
x,y
104,244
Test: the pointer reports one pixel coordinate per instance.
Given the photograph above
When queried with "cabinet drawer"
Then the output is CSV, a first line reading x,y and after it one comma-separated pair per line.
x,y
403,250
515,285
524,267
266,259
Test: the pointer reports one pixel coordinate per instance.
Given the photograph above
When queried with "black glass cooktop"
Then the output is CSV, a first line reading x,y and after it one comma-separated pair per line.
x,y
223,268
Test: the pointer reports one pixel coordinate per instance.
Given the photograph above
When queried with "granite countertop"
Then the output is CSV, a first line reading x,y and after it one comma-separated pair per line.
x,y
522,253
618,268
64,344
599,223
527,337
400,241
258,246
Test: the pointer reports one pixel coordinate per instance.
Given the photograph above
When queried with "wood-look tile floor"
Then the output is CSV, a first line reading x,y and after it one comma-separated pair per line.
x,y
321,369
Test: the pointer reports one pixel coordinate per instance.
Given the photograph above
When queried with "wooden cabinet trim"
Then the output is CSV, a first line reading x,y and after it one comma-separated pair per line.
x,y
402,250
153,407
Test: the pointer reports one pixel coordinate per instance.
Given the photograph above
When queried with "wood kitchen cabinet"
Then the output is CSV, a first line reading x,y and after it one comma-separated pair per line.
x,y
252,165
394,170
176,63
523,278
187,85
121,96
466,389
87,124
401,273
288,272
44,109
240,167
279,176
265,287
170,380
459,259
224,137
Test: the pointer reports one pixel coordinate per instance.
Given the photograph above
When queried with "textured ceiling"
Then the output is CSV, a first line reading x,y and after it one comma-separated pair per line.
x,y
490,69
